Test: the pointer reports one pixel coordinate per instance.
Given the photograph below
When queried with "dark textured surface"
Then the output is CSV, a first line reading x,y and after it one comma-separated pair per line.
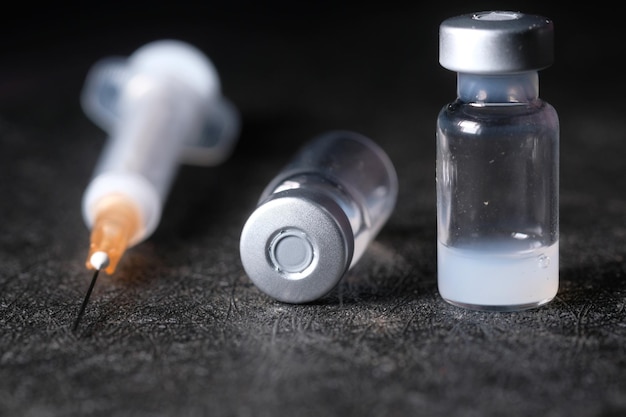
x,y
179,330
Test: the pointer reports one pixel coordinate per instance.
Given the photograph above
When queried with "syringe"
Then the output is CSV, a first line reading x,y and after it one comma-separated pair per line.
x,y
161,106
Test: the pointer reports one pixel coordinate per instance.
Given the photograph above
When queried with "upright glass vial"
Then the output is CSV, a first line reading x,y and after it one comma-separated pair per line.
x,y
315,219
497,165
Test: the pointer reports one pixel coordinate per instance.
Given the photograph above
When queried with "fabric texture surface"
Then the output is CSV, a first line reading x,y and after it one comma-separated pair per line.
x,y
179,329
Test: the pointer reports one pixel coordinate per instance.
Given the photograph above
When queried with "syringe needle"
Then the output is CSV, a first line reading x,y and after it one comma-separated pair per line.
x,y
86,300
98,260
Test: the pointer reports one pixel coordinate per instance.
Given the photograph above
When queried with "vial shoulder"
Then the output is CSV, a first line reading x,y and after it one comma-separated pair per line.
x,y
537,111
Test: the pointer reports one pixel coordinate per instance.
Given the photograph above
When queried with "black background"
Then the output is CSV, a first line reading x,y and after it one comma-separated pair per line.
x,y
179,330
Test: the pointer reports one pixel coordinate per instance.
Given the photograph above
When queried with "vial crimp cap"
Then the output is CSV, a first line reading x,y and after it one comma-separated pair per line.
x,y
296,245
496,42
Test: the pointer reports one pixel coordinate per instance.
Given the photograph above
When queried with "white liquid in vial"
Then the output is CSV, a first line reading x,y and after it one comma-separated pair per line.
x,y
489,280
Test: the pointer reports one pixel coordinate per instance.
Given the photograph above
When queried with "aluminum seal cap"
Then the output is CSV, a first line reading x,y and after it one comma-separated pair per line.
x,y
496,42
296,246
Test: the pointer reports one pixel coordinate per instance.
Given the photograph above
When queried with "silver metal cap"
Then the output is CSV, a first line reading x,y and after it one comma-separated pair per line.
x,y
495,42
297,246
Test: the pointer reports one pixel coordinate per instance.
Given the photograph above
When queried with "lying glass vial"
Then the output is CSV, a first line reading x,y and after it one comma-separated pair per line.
x,y
315,219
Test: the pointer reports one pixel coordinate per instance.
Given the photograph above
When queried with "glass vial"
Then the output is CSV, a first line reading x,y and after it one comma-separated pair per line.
x,y
315,219
497,165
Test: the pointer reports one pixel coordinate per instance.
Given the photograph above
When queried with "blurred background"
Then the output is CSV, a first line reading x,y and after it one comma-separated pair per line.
x,y
179,330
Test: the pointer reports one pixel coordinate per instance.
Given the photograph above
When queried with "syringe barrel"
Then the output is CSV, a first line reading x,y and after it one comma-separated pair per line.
x,y
161,107
158,117
141,156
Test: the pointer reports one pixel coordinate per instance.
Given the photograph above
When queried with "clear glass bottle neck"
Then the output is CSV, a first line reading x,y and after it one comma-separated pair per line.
x,y
498,88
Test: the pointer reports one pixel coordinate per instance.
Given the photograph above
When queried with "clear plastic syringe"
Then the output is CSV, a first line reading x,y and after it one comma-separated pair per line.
x,y
161,106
